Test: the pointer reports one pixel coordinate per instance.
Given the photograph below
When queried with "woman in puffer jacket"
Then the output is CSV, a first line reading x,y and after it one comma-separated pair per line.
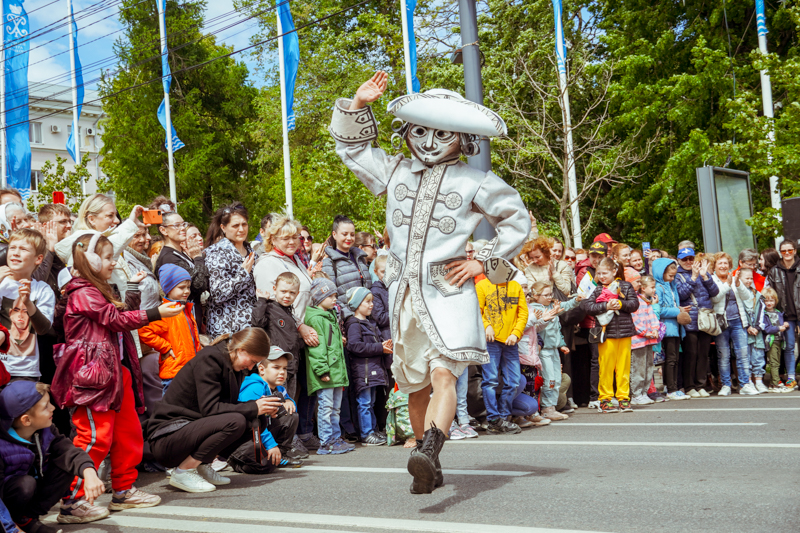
x,y
346,265
617,296
696,289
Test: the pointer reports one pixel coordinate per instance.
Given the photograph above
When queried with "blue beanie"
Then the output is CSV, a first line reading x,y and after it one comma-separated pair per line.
x,y
16,399
322,288
170,275
356,295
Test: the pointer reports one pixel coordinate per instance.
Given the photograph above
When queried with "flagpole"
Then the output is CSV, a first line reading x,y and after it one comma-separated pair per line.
x,y
76,137
766,100
3,101
406,51
173,194
569,148
287,163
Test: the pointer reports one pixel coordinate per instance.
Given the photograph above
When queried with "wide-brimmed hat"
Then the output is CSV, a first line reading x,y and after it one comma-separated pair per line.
x,y
449,111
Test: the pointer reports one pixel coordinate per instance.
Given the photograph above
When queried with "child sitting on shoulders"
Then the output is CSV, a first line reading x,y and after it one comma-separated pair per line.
x,y
370,361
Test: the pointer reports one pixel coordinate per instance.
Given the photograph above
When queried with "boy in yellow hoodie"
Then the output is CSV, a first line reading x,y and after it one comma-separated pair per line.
x,y
505,314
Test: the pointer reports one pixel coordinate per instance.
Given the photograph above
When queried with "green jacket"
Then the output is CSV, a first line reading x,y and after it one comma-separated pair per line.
x,y
328,357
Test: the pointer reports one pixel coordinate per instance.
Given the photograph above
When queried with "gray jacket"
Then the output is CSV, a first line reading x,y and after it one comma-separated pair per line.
x,y
431,212
345,274
778,281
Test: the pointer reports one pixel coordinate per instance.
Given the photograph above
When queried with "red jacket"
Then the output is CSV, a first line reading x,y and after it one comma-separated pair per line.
x,y
89,372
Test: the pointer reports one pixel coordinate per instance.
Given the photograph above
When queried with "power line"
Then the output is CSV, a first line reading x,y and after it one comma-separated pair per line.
x,y
199,65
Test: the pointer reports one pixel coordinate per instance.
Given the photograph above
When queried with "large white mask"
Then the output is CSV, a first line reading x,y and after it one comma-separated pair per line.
x,y
432,146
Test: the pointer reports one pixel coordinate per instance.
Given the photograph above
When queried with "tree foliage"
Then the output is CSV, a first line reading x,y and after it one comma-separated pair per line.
x,y
57,178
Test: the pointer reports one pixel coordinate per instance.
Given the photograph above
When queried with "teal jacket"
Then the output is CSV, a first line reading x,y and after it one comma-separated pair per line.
x,y
328,357
668,298
550,331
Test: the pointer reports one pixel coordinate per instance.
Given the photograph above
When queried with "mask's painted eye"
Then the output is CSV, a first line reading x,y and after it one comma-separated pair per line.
x,y
443,135
419,131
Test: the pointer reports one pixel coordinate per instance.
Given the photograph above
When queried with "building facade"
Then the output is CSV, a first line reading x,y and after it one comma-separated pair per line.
x,y
50,127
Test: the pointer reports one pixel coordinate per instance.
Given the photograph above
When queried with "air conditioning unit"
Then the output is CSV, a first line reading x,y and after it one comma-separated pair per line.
x,y
90,132
55,128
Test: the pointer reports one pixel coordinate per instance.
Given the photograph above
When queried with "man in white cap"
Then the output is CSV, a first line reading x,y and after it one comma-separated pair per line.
x,y
434,203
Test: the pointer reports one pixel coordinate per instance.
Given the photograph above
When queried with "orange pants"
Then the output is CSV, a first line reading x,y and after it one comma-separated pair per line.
x,y
117,432
615,357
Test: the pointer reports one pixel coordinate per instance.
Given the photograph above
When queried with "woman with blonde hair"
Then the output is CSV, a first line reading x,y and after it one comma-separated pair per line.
x,y
281,244
541,268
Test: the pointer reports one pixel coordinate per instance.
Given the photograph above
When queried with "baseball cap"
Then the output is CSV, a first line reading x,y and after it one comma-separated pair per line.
x,y
606,238
685,252
16,399
598,247
276,352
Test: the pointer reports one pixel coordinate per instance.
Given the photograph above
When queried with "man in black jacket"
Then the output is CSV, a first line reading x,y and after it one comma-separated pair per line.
x,y
784,279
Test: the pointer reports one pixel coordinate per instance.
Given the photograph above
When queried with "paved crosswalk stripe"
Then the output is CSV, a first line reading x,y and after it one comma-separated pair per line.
x,y
676,410
404,471
163,524
345,523
570,424
628,443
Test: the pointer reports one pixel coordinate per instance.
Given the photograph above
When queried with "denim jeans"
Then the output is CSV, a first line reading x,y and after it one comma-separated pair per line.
x,y
330,403
523,405
505,359
734,337
165,383
462,386
757,362
551,373
366,411
306,407
788,353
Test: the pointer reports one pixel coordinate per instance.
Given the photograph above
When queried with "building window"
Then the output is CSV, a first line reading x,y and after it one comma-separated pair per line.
x,y
69,129
36,179
35,132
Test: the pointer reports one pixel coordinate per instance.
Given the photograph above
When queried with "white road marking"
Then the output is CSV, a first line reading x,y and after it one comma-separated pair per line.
x,y
568,424
628,443
344,523
666,410
368,470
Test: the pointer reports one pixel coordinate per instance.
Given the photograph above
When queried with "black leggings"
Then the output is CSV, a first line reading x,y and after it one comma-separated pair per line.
x,y
696,345
670,345
27,497
202,439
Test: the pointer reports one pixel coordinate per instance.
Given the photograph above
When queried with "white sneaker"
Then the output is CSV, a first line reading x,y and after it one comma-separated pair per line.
x,y
693,394
760,386
749,390
677,395
220,464
190,481
614,402
724,391
641,400
209,474
703,393
594,405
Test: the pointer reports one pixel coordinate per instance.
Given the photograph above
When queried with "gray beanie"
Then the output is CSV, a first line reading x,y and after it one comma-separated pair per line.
x,y
320,289
356,295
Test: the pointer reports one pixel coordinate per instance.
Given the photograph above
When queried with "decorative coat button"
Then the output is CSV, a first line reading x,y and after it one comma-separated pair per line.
x,y
452,200
401,192
397,218
447,225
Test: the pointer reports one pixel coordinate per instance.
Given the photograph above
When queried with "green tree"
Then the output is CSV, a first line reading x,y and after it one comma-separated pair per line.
x,y
211,106
56,178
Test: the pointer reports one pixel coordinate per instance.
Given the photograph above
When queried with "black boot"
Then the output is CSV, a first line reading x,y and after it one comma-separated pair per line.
x,y
424,464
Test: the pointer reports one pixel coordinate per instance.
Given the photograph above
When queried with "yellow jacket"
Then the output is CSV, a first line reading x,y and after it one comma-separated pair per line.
x,y
503,307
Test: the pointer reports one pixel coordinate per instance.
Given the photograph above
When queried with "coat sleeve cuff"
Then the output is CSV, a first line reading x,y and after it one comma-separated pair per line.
x,y
352,127
153,315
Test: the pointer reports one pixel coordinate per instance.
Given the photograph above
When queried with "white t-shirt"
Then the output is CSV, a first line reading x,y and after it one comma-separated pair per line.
x,y
21,361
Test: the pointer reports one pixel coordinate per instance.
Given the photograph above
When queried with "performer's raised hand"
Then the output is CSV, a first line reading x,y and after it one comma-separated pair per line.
x,y
370,90
458,272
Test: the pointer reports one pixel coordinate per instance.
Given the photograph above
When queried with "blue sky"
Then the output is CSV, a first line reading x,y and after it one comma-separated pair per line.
x,y
46,63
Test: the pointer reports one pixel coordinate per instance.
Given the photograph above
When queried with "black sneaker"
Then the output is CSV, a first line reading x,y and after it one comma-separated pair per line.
x,y
311,443
288,462
511,428
495,427
297,451
374,439
351,438
35,526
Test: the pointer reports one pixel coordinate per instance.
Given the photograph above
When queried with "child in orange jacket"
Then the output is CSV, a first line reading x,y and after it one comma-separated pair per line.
x,y
176,338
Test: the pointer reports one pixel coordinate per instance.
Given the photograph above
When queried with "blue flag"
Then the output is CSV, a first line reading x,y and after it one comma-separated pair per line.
x,y
177,144
79,84
291,57
561,48
761,18
411,5
17,45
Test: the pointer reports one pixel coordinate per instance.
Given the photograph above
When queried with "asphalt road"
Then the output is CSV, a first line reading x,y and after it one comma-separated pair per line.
x,y
716,464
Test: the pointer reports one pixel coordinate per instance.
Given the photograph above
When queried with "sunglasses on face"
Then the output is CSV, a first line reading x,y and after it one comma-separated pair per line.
x,y
229,210
787,252
306,239
179,225
569,258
